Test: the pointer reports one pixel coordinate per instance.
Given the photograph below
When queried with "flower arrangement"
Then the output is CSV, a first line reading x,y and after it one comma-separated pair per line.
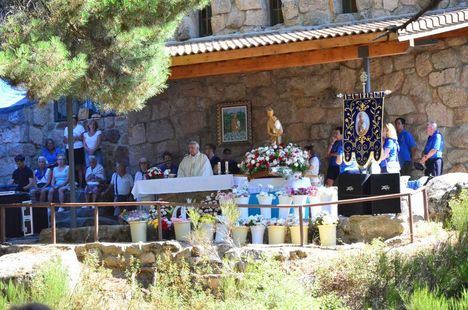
x,y
283,193
276,222
135,216
241,222
265,158
179,220
307,191
240,192
166,224
208,219
325,219
255,220
154,173
262,192
294,221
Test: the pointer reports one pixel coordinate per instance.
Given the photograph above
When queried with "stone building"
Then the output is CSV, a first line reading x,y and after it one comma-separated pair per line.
x,y
293,55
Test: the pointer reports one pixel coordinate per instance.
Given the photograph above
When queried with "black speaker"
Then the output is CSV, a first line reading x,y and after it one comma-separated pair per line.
x,y
352,186
384,184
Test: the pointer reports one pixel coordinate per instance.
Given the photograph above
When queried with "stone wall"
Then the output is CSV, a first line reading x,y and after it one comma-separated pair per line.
x,y
234,16
427,84
24,132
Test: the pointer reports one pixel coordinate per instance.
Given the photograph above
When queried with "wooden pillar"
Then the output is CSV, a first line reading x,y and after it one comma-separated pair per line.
x,y
96,224
71,159
426,204
410,218
301,226
52,224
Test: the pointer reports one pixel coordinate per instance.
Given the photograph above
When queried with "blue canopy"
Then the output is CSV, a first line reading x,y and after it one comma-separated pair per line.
x,y
12,98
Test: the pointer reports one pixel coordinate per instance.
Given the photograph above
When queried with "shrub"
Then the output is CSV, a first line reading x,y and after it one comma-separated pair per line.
x,y
459,212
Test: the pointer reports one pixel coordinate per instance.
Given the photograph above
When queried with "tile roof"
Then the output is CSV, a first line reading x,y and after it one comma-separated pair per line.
x,y
434,21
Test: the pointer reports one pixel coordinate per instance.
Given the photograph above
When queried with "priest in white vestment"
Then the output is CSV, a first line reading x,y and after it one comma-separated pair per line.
x,y
195,164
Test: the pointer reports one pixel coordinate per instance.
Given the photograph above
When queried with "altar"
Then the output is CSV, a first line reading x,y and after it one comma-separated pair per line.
x,y
253,186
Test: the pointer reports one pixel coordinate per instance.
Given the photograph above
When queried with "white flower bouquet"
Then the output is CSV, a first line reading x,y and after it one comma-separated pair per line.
x,y
325,219
255,220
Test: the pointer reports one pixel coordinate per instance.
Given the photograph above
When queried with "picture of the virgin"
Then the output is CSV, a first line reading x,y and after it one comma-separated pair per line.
x,y
362,124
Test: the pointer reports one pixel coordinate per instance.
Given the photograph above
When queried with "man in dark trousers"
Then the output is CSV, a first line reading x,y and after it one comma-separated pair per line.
x,y
432,154
407,145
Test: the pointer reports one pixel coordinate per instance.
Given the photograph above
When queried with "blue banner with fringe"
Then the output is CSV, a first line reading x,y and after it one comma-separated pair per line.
x,y
362,127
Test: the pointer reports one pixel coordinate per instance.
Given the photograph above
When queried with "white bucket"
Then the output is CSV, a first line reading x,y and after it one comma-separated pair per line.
x,y
276,234
182,231
327,235
296,234
299,200
222,232
284,200
265,200
244,212
138,231
257,233
239,235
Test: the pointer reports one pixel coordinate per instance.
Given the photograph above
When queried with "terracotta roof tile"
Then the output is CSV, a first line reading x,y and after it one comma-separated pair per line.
x,y
435,22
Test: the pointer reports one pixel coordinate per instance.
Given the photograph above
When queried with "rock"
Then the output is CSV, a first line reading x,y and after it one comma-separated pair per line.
x,y
317,18
464,77
245,5
365,228
441,190
423,64
404,61
290,9
135,249
121,155
160,131
297,132
444,59
111,136
297,254
440,114
458,168
137,134
399,105
363,4
255,18
461,116
15,134
110,261
22,266
147,258
41,116
235,19
459,137
453,96
183,255
258,79
447,76
218,23
220,6
320,131
390,5
392,81
457,156
187,28
107,233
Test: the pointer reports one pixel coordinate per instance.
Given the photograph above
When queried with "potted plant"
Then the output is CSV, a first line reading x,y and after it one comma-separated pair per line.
x,y
239,232
181,228
154,173
284,198
295,229
299,197
265,198
327,229
242,198
257,228
137,219
207,227
276,231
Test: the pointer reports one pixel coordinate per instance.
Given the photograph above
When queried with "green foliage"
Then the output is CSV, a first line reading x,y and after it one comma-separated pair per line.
x,y
48,286
111,51
459,212
422,299
231,212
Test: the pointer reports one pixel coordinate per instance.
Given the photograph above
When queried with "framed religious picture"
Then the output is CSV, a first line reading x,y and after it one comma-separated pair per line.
x,y
234,122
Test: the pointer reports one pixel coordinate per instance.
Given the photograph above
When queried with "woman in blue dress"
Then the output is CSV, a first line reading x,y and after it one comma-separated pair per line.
x,y
389,162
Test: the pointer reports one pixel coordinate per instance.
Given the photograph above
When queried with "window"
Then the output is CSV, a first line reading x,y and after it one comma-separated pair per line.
x,y
204,22
60,109
349,6
276,13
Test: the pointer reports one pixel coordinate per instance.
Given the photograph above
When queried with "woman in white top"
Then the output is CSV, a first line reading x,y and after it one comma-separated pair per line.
x,y
78,148
60,180
143,164
42,179
92,142
314,165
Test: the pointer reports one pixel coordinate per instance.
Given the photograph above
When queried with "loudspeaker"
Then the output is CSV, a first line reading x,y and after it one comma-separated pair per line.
x,y
352,186
384,184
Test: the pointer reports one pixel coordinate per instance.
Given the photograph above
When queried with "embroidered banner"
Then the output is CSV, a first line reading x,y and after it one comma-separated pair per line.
x,y
362,127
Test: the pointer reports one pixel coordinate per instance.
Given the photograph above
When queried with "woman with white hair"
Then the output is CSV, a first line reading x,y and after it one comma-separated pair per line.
x,y
389,159
42,178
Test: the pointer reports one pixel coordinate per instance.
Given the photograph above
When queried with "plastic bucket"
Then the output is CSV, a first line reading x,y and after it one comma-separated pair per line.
x,y
239,235
244,212
296,234
327,235
138,231
284,200
257,234
182,231
299,200
276,234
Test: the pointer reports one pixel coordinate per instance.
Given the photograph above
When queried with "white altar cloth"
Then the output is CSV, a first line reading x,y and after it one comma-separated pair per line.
x,y
183,185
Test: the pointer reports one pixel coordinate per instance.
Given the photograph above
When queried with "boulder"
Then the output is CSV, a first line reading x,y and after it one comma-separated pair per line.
x,y
107,233
365,228
23,265
441,190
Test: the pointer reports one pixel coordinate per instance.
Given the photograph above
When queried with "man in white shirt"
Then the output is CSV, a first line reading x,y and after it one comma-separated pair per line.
x,y
195,164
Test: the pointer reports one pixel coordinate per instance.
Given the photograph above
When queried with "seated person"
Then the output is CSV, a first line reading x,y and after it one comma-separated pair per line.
x,y
233,168
23,176
210,150
143,165
121,184
50,152
42,179
60,179
95,177
168,164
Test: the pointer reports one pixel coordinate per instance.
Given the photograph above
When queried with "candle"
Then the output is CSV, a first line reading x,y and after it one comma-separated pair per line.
x,y
226,167
219,168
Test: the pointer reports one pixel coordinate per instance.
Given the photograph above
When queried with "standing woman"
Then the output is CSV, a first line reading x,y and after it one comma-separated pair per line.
x,y
92,142
390,162
78,148
60,180
50,152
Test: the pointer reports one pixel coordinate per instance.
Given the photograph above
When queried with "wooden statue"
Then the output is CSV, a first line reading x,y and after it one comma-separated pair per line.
x,y
274,127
